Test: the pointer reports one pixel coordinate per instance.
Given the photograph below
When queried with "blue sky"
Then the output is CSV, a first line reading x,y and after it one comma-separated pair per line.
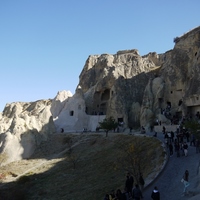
x,y
44,43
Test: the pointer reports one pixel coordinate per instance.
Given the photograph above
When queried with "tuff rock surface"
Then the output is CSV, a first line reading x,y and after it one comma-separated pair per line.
x,y
136,89
133,89
23,126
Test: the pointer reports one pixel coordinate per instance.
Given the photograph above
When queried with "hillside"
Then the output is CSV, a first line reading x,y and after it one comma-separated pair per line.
x,y
70,166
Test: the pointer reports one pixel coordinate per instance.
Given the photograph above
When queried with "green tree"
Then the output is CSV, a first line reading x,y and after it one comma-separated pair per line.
x,y
194,127
108,124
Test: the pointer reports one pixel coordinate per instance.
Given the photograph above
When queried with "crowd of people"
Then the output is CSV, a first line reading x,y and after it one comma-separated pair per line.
x,y
180,140
132,191
177,142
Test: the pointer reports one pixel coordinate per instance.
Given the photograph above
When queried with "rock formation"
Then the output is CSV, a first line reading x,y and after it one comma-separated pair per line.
x,y
23,126
140,89
136,90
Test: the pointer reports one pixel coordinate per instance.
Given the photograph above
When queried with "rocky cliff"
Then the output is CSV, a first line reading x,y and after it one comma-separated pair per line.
x,y
136,90
23,126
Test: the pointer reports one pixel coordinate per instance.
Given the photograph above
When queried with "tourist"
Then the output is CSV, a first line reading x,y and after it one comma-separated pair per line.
x,y
106,197
185,181
197,144
172,136
164,130
182,149
125,195
136,193
192,139
143,131
155,195
185,148
155,134
129,183
170,149
119,195
112,195
187,134
177,148
141,181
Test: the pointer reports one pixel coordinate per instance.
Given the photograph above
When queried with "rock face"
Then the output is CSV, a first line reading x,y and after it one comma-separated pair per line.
x,y
23,126
69,113
136,90
128,87
115,84
140,89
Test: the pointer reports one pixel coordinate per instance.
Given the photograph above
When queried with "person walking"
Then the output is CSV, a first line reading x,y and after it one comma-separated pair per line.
x,y
177,148
155,195
141,182
106,197
119,195
185,148
197,144
129,183
170,149
185,181
137,193
172,136
164,130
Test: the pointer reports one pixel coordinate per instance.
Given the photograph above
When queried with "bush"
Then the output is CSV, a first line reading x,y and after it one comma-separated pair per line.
x,y
176,39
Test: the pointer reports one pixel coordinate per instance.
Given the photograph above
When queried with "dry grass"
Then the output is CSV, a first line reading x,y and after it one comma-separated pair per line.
x,y
98,168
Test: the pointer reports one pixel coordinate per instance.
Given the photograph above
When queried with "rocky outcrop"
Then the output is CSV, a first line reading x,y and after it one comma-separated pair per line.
x,y
70,114
180,71
140,89
115,84
23,126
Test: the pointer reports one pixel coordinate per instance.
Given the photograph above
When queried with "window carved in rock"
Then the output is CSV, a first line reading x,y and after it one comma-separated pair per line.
x,y
105,95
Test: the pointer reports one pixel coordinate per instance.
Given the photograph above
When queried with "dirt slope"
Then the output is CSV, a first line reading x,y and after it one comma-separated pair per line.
x,y
70,161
